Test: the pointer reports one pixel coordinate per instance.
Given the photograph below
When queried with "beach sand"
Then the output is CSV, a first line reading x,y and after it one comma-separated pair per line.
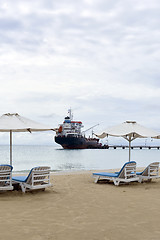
x,y
76,208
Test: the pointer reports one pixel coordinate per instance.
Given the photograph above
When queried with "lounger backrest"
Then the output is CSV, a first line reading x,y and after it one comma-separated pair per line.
x,y
151,170
39,175
6,175
128,170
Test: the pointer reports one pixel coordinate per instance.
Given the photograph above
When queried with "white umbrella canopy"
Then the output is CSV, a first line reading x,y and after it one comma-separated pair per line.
x,y
16,123
130,130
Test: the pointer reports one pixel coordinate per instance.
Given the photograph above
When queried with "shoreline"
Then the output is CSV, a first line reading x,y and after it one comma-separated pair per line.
x,y
72,172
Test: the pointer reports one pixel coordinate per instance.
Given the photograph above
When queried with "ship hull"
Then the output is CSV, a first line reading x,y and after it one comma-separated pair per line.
x,y
77,142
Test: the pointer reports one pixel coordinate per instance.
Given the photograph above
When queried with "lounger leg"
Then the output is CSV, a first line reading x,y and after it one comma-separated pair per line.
x,y
23,187
96,179
116,182
140,180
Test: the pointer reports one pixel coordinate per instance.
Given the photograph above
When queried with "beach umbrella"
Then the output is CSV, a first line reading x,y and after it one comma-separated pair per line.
x,y
16,123
130,130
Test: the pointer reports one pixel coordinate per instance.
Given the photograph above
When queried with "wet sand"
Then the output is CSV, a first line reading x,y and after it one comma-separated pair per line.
x,y
76,208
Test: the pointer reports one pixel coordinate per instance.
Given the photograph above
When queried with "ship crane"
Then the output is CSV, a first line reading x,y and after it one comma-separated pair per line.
x,y
90,128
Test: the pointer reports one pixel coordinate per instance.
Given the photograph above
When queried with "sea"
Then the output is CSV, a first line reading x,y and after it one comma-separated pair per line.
x,y
65,160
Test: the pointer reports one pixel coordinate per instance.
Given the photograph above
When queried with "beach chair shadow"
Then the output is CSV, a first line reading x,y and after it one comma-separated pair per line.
x,y
149,173
38,178
6,177
127,174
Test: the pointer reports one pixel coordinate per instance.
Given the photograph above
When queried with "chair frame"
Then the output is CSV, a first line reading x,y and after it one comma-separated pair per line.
x,y
6,177
38,178
150,172
127,174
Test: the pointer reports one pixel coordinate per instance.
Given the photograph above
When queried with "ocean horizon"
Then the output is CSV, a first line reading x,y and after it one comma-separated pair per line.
x,y
27,156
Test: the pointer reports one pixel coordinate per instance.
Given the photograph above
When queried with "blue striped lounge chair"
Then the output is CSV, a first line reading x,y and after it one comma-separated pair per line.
x,y
149,173
38,178
127,174
6,177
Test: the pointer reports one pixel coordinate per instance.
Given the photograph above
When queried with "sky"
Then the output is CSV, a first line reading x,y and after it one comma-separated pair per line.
x,y
99,57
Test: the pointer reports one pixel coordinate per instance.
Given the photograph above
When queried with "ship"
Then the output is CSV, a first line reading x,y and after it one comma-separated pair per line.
x,y
69,135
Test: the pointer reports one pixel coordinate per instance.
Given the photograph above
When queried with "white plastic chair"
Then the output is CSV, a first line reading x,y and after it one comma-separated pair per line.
x,y
126,174
6,177
38,178
149,173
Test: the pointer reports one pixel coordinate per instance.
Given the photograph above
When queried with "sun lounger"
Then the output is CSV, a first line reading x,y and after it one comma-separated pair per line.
x,y
6,177
149,173
38,178
126,174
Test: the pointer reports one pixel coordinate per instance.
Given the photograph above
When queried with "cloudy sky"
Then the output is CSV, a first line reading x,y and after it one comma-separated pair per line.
x,y
99,57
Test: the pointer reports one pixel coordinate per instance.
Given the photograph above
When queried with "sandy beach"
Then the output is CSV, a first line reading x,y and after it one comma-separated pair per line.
x,y
76,208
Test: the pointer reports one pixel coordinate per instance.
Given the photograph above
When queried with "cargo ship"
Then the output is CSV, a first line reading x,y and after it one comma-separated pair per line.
x,y
69,135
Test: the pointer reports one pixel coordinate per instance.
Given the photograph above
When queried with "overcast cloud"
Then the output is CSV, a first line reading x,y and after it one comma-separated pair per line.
x,y
99,57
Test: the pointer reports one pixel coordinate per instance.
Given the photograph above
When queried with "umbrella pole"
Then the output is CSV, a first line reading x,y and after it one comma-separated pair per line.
x,y
129,151
11,147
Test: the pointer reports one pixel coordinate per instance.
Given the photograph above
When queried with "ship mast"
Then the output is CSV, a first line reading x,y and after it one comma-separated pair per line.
x,y
70,114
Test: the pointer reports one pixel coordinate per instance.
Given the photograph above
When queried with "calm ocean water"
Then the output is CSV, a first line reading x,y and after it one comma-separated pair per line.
x,y
26,157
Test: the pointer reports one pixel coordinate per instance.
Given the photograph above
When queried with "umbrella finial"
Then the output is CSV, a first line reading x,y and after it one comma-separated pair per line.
x,y
131,122
11,114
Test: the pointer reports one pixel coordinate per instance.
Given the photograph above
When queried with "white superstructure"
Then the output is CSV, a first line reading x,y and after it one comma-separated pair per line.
x,y
70,127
